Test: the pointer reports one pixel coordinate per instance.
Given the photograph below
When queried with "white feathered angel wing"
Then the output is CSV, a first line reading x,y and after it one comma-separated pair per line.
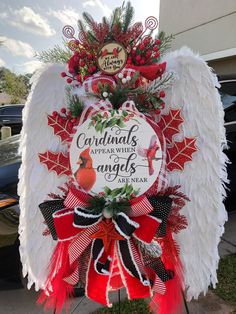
x,y
203,178
47,94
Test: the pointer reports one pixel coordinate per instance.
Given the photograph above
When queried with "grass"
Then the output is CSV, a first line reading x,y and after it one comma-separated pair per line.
x,y
138,306
226,287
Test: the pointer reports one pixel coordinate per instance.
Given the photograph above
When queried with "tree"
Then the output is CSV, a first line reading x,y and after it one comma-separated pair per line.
x,y
17,86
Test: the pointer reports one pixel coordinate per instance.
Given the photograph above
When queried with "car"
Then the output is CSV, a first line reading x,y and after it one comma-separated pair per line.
x,y
10,265
10,269
11,115
228,97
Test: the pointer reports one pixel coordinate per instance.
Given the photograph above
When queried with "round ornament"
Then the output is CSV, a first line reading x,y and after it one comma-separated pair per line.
x,y
112,149
111,58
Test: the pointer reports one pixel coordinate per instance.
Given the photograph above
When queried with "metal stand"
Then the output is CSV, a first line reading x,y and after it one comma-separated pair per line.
x,y
185,304
119,301
77,305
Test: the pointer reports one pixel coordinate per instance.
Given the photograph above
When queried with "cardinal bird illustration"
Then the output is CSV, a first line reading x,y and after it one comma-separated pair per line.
x,y
85,175
150,153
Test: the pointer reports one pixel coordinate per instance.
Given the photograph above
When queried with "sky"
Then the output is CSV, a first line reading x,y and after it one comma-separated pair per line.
x,y
29,26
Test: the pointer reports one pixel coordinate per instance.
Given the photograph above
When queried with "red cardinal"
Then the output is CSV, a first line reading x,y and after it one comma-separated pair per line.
x,y
150,153
85,175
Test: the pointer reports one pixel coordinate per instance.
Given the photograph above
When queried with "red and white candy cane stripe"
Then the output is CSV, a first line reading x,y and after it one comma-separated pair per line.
x,y
140,206
80,243
76,198
73,278
91,84
159,286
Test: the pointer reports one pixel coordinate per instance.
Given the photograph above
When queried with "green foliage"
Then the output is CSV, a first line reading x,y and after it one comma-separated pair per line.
x,y
17,86
165,42
128,16
75,104
102,121
121,18
226,287
115,201
55,55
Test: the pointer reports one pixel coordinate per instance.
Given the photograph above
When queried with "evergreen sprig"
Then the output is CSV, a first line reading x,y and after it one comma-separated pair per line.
x,y
166,41
114,201
75,104
54,55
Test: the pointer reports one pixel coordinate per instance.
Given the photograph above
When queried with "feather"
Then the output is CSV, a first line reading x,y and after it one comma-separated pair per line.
x,y
47,95
204,177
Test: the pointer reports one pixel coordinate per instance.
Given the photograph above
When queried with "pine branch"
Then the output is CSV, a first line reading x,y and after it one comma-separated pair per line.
x,y
75,104
81,26
163,82
88,20
54,55
128,16
165,42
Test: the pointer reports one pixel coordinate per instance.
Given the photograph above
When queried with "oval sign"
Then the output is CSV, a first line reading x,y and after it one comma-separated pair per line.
x,y
114,149
111,58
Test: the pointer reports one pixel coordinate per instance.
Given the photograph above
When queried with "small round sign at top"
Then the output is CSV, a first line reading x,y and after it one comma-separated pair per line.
x,y
112,58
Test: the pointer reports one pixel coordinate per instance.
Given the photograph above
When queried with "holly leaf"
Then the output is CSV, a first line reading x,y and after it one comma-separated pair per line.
x,y
57,162
170,123
180,153
63,129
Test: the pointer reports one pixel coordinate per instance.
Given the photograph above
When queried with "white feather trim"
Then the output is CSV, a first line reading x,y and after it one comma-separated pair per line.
x,y
202,179
47,95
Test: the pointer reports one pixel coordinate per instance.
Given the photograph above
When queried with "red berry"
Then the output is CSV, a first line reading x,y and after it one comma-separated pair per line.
x,y
83,54
155,48
142,61
82,63
70,125
162,94
157,54
90,70
69,80
141,46
63,74
138,58
148,54
63,110
69,114
90,56
157,42
73,120
54,114
129,60
162,105
94,68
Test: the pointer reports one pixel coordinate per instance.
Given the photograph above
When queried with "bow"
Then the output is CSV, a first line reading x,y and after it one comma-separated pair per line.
x,y
112,241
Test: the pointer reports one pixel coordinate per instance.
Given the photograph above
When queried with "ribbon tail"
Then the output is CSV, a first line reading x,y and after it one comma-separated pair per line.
x,y
136,283
99,273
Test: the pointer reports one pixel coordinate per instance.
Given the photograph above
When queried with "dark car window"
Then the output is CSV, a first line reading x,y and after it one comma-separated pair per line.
x,y
228,97
17,111
2,111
